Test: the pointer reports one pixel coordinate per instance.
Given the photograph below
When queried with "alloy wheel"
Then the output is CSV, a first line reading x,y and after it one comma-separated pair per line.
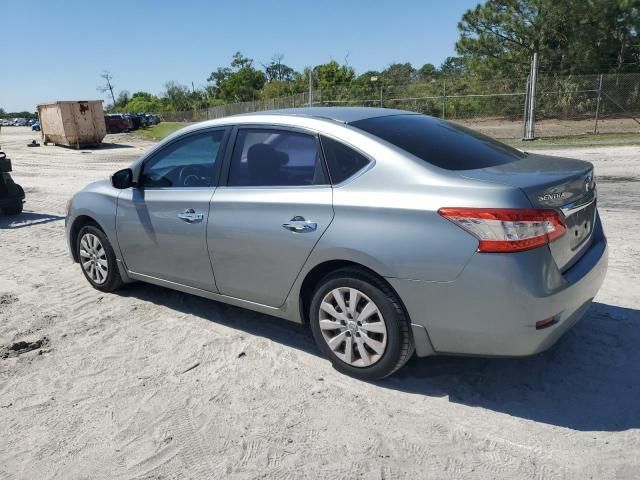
x,y
93,258
353,327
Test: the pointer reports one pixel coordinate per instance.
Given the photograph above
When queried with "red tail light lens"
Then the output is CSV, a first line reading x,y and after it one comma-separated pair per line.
x,y
507,229
547,322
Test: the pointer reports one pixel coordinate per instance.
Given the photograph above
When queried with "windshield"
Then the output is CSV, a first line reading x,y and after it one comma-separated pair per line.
x,y
443,144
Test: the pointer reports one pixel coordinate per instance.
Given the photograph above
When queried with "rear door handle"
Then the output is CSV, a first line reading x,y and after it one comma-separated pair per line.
x,y
190,216
299,225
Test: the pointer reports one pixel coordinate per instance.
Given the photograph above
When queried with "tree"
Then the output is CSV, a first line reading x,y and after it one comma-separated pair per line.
x,y
427,72
570,36
278,88
332,74
453,66
276,70
398,73
108,86
177,97
608,37
367,85
23,114
123,98
143,102
241,82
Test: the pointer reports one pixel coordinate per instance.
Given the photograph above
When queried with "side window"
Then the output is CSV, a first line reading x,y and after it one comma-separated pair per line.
x,y
267,157
343,162
190,162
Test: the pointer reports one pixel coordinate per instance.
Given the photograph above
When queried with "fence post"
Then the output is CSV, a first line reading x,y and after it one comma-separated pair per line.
x,y
444,98
525,113
595,128
531,104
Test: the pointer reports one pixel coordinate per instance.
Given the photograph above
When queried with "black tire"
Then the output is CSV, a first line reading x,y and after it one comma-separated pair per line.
x,y
399,347
15,209
113,279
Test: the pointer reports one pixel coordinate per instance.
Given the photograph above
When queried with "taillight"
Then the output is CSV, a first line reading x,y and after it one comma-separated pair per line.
x,y
507,229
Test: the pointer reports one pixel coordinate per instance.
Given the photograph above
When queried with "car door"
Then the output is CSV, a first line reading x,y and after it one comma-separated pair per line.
x,y
266,218
161,224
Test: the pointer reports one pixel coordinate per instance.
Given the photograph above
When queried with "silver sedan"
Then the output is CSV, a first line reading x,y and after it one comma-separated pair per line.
x,y
388,232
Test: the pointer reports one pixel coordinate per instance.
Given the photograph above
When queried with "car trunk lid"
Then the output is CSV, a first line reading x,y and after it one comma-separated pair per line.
x,y
564,184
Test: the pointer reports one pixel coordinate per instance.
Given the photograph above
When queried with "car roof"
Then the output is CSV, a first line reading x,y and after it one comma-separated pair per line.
x,y
331,115
338,114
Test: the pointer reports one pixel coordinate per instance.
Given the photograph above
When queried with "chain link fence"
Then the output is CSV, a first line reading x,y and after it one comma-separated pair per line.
x,y
564,105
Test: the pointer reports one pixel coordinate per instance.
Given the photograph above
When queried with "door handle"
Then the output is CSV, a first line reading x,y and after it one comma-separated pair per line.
x,y
190,216
299,225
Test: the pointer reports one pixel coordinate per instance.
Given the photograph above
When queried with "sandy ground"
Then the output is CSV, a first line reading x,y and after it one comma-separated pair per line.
x,y
510,129
151,383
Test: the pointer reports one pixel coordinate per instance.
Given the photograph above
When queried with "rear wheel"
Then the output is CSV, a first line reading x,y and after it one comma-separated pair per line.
x,y
359,324
97,259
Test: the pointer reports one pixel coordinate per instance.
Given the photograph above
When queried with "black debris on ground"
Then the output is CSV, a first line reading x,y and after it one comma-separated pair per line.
x,y
22,347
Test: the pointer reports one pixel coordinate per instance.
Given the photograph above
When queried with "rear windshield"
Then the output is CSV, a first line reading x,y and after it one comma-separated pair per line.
x,y
440,143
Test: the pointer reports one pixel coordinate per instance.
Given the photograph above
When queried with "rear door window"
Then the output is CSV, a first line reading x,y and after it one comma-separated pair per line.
x,y
272,157
443,144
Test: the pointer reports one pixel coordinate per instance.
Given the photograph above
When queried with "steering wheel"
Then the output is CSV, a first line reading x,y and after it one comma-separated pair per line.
x,y
194,176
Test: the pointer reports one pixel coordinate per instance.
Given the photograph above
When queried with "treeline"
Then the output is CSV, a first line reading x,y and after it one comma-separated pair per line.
x,y
27,115
244,81
497,41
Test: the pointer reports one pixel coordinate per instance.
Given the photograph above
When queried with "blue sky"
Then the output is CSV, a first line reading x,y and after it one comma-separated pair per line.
x,y
54,50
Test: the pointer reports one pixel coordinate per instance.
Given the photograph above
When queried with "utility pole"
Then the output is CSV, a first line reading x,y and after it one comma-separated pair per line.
x,y
530,130
310,86
444,98
373,80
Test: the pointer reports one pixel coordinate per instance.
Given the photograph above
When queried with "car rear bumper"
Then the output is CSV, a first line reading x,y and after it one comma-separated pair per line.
x,y
491,309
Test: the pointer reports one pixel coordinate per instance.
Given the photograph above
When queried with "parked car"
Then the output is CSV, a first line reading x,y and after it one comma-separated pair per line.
x,y
11,194
386,231
144,120
153,119
36,126
135,121
116,123
20,122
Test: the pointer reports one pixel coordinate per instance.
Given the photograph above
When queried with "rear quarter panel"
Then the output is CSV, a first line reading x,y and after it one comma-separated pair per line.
x,y
387,219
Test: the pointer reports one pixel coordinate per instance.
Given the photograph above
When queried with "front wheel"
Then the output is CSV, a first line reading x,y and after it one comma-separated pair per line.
x,y
359,324
15,209
97,259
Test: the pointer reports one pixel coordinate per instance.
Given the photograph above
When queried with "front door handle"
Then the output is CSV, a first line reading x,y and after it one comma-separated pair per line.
x,y
190,216
299,225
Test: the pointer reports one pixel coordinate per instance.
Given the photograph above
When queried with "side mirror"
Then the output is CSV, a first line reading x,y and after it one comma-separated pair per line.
x,y
122,179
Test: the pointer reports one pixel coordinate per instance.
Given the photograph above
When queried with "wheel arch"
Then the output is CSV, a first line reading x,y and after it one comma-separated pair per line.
x,y
79,222
321,270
